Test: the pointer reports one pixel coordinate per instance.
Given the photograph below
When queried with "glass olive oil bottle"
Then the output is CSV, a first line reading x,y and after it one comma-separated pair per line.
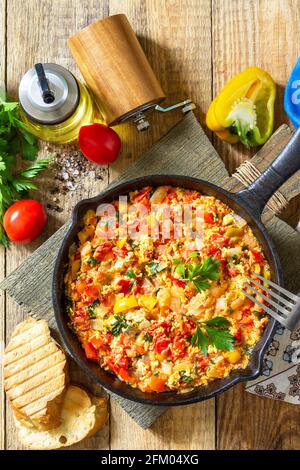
x,y
54,104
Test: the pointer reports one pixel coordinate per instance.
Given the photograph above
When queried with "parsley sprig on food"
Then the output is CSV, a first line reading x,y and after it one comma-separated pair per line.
x,y
15,140
214,332
199,274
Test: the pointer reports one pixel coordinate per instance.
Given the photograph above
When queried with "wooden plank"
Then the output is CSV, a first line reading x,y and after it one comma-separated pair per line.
x,y
2,251
176,38
40,34
244,34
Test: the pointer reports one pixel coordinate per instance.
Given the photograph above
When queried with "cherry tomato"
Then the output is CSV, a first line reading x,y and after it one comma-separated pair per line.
x,y
99,144
24,220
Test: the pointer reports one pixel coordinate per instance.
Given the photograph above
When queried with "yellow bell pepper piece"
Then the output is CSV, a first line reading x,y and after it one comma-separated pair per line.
x,y
233,356
121,243
147,301
244,110
125,303
234,232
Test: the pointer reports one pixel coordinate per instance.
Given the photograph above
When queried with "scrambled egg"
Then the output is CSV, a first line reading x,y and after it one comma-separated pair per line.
x,y
137,305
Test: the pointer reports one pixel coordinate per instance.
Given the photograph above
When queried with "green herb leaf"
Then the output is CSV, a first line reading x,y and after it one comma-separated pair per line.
x,y
258,315
214,332
218,322
118,325
35,168
92,262
148,338
130,274
91,310
200,340
221,339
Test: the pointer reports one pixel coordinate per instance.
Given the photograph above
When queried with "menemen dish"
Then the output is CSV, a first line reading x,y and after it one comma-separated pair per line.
x,y
165,312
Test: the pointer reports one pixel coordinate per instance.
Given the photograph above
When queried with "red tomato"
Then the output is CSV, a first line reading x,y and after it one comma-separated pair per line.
x,y
24,220
161,345
209,217
233,272
258,257
125,286
90,351
179,348
99,144
102,250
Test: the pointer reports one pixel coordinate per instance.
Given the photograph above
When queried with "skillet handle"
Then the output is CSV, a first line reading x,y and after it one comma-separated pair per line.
x,y
283,167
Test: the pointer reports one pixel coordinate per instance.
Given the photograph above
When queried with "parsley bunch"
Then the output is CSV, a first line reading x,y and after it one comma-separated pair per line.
x,y
198,274
214,332
15,140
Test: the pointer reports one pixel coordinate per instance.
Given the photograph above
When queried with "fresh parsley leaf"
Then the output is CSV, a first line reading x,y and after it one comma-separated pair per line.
x,y
92,262
185,378
198,274
214,332
148,338
201,284
91,309
200,340
118,325
218,322
258,315
235,259
221,339
130,274
35,168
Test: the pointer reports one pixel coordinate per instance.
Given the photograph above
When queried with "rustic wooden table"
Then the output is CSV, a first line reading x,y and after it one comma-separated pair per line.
x,y
194,46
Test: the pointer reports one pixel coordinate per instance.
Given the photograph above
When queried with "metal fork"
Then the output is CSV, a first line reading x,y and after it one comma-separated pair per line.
x,y
286,305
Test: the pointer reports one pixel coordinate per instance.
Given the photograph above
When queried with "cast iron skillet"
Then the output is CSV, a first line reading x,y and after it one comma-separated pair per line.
x,y
248,203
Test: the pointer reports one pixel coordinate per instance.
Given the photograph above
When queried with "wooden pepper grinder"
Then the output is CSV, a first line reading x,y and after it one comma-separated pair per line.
x,y
116,69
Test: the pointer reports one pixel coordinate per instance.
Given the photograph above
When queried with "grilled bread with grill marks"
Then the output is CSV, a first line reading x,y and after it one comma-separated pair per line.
x,y
35,375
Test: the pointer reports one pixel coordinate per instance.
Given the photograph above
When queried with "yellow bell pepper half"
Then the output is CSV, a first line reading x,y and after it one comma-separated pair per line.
x,y
244,110
125,303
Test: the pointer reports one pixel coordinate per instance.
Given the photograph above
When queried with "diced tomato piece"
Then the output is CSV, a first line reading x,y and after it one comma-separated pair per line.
x,y
77,255
143,197
114,367
97,342
120,252
179,348
161,345
188,327
258,257
233,272
125,286
91,293
238,335
209,218
124,362
102,250
218,240
171,196
157,384
202,362
90,351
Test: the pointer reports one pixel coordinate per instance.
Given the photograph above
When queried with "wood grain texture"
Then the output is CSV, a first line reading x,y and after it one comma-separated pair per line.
x,y
2,252
27,44
177,38
245,34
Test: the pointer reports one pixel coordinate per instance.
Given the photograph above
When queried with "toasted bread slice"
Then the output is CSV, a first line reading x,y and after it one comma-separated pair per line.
x,y
80,418
35,375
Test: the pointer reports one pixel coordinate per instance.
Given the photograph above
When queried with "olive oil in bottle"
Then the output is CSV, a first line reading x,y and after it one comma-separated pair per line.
x,y
54,104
